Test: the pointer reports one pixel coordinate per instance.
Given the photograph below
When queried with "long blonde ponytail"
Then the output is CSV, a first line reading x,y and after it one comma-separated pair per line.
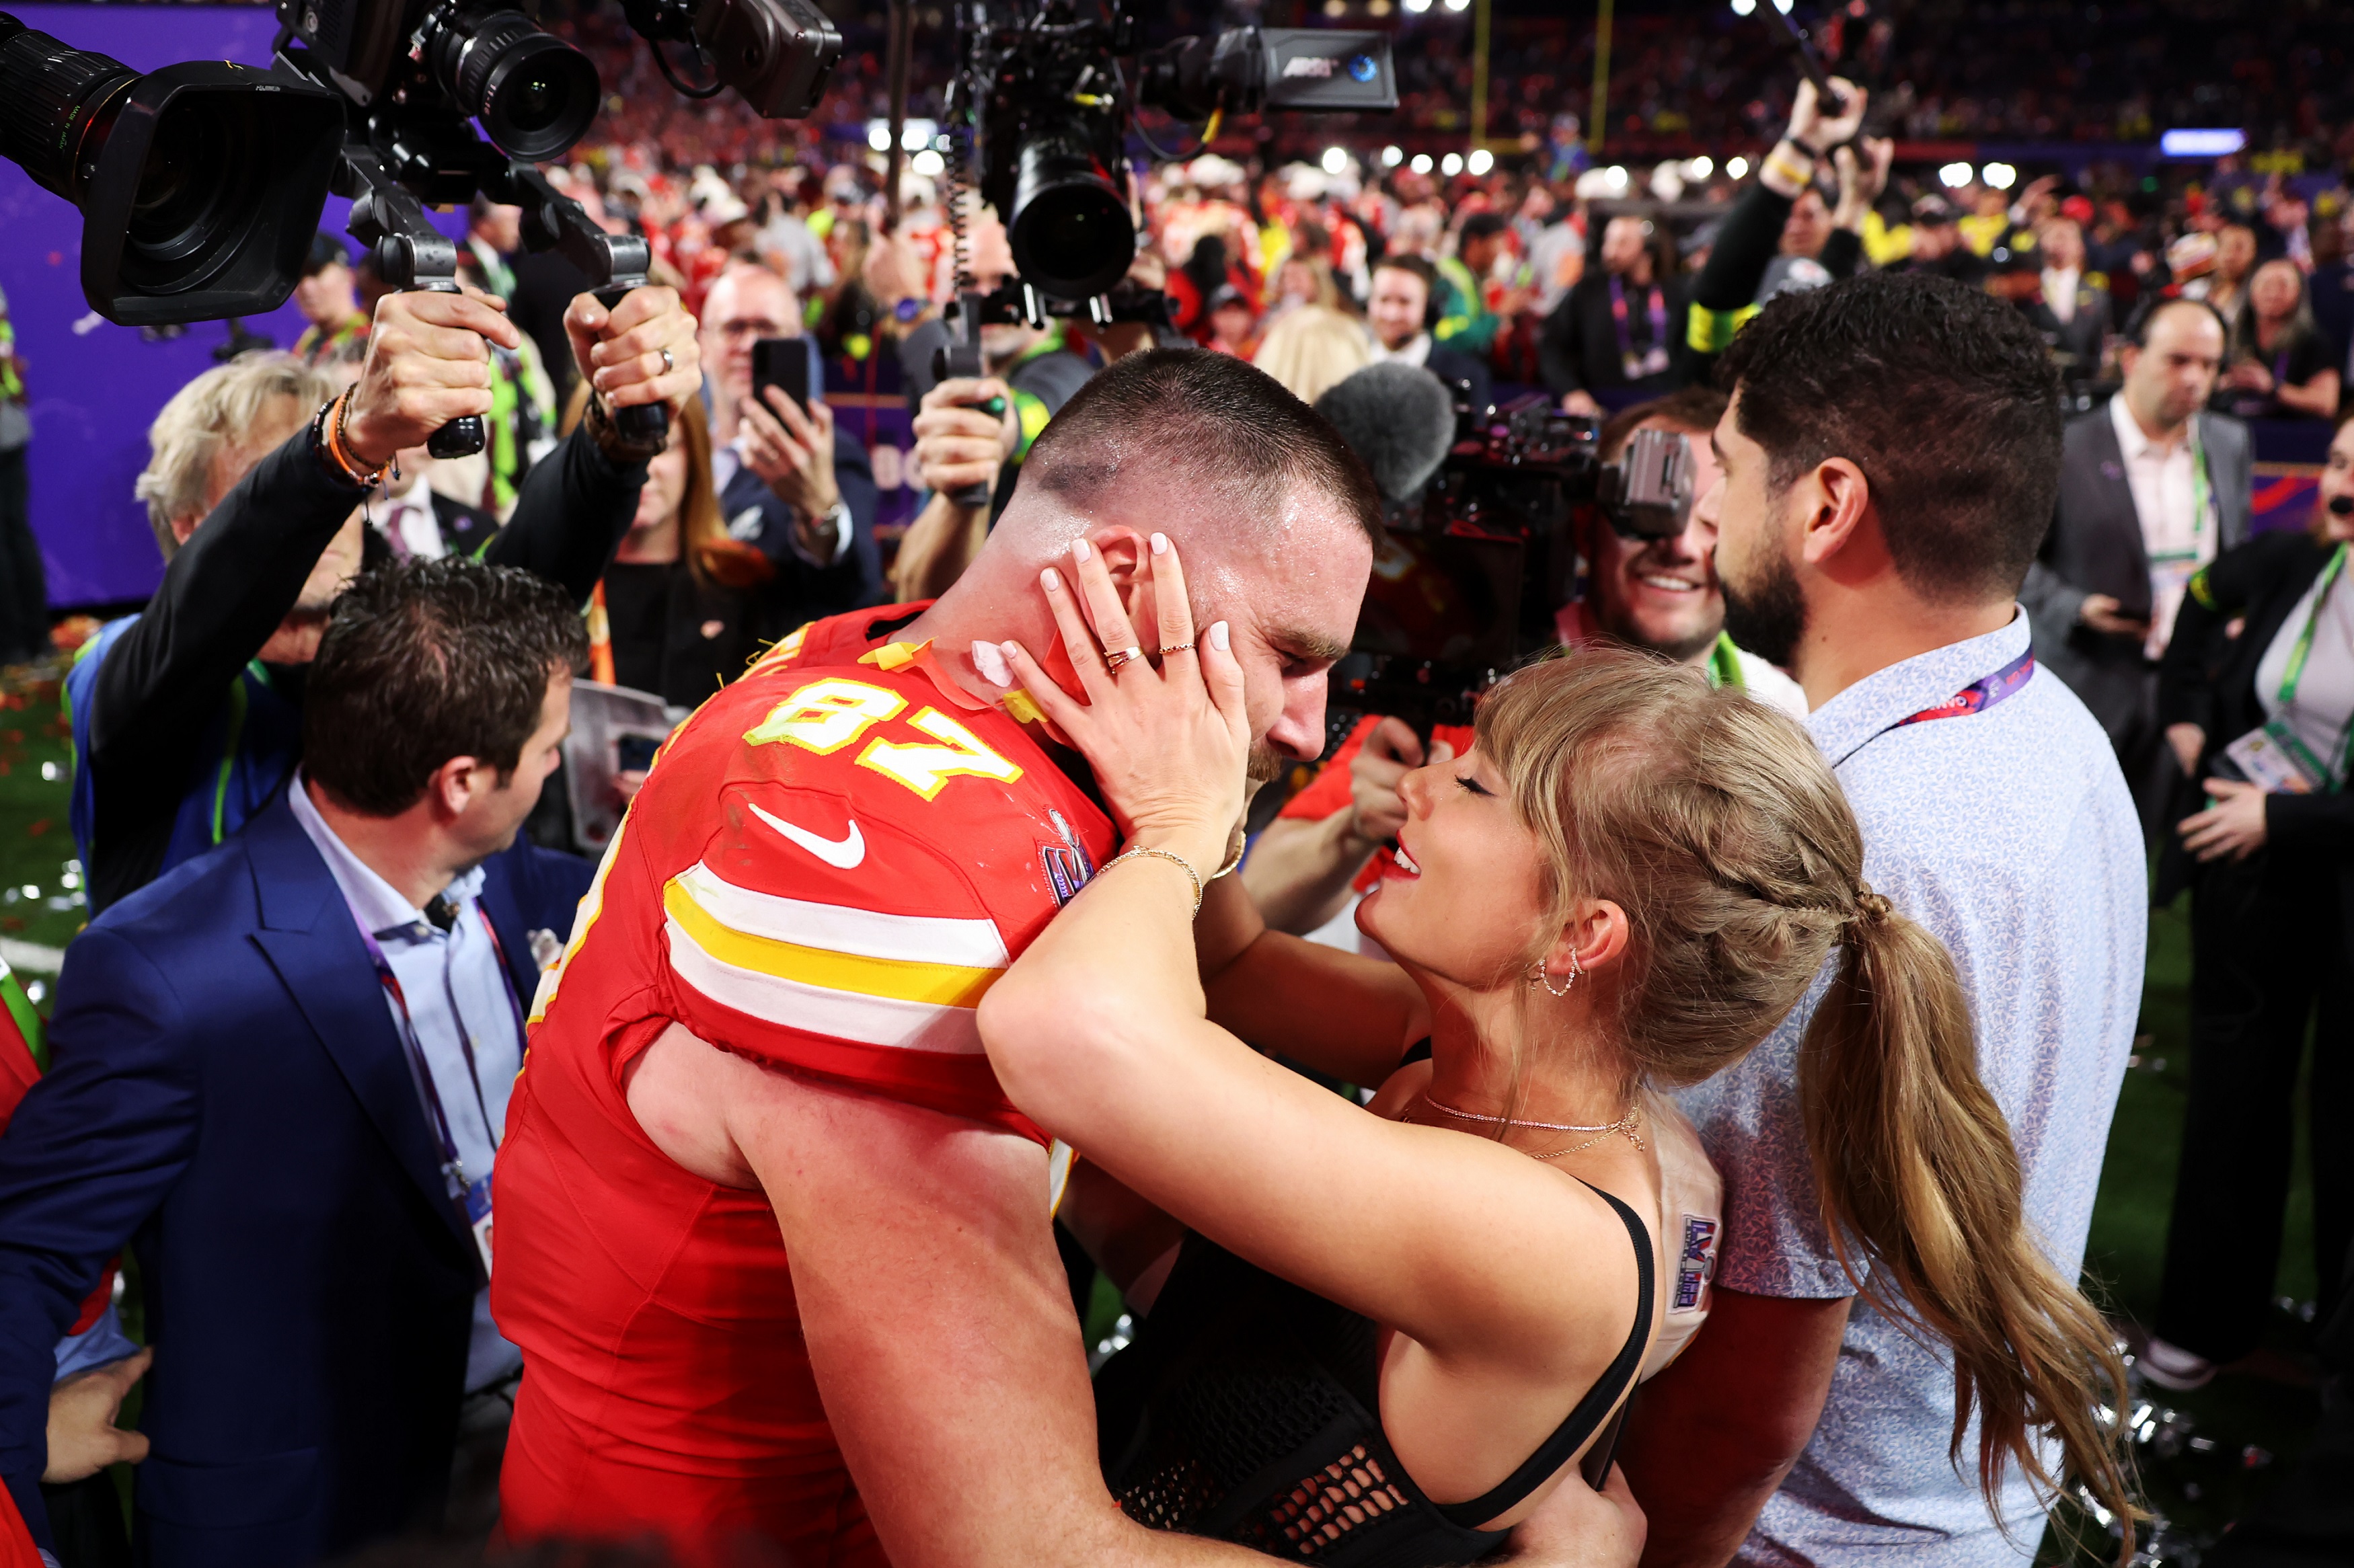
x,y
1921,1192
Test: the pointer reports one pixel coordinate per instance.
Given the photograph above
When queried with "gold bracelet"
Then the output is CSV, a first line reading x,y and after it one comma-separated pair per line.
x,y
1234,861
1177,860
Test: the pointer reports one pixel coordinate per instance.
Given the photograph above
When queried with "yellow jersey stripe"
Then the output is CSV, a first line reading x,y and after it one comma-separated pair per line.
x,y
791,1004
842,928
940,985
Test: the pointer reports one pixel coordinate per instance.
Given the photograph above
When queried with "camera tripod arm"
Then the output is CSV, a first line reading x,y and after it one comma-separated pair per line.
x,y
615,264
410,253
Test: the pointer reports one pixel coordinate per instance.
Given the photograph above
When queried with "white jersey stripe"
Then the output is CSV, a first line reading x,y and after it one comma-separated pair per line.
x,y
838,928
817,1009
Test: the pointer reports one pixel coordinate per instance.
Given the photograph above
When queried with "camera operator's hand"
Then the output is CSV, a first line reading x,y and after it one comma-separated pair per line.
x,y
1579,401
958,443
428,362
1817,127
83,1437
793,454
619,352
1391,752
1860,180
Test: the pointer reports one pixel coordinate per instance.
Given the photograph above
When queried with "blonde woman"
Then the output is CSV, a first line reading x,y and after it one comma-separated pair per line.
x,y
1392,1330
1312,348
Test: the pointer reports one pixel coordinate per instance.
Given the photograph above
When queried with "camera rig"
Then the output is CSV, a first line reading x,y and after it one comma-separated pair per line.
x,y
1468,584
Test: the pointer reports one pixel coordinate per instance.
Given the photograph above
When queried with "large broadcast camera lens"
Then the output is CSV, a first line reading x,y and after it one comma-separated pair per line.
x,y
200,185
1071,234
534,94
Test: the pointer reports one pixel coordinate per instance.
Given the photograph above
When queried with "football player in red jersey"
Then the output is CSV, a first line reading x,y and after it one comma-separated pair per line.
x,y
775,1246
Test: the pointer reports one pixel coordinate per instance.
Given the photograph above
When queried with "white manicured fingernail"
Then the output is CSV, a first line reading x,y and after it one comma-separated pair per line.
x,y
1010,648
1051,579
1218,635
1078,549
990,660
1160,543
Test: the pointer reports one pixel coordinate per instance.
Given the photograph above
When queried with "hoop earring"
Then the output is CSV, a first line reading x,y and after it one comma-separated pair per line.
x,y
1537,977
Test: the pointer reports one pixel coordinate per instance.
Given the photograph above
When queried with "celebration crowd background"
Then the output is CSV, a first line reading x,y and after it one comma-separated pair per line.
x,y
1553,253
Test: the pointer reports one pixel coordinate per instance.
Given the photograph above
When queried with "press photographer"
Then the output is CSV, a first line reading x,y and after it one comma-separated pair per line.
x,y
1661,594
186,715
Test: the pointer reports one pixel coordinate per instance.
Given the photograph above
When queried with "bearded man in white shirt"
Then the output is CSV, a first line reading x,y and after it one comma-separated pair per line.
x,y
2151,488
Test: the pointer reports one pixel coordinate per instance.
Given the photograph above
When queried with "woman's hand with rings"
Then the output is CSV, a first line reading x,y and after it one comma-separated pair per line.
x,y
1168,744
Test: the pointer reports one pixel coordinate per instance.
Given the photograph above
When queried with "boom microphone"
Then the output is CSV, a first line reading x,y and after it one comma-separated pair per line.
x,y
1399,419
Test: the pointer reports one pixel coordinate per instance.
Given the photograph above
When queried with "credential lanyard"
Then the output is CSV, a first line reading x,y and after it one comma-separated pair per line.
x,y
1975,698
2294,674
1639,365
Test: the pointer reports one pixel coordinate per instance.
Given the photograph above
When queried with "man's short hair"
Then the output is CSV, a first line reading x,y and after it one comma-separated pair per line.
x,y
1692,409
217,410
1208,419
424,661
325,251
1481,226
1413,265
1943,397
2146,316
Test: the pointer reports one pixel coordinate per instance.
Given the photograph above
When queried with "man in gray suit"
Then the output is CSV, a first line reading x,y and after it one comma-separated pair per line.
x,y
2151,489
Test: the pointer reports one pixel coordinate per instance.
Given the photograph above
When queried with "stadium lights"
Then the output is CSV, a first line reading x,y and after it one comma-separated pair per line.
x,y
1451,165
1744,7
1616,175
1393,157
929,164
1335,161
1736,167
1480,160
1782,6
878,135
2200,143
914,136
1998,176
1422,163
1699,168
1458,5
1417,8
1954,176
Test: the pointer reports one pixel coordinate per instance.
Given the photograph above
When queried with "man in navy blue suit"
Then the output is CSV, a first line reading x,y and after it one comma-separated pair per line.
x,y
280,1075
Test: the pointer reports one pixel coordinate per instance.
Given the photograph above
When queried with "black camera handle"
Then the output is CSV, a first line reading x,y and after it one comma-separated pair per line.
x,y
962,357
615,263
410,253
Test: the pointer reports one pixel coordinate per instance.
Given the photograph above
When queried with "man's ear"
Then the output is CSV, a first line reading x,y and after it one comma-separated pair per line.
x,y
1835,498
1123,550
454,785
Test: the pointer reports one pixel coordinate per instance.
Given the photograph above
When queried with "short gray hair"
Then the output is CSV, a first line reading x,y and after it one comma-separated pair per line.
x,y
212,414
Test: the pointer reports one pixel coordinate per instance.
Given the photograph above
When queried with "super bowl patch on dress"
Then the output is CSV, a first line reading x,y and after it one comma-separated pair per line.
x,y
1695,1262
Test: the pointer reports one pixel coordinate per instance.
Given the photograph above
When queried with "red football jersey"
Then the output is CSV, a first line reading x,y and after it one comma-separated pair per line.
x,y
828,865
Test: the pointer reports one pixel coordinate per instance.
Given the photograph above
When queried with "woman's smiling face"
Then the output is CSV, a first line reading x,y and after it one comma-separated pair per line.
x,y
1466,895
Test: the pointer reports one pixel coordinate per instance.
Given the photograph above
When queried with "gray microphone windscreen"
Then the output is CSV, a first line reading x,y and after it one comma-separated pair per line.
x,y
1398,418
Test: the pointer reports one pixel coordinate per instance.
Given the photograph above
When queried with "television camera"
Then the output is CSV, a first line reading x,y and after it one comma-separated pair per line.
x,y
1038,118
1469,581
200,185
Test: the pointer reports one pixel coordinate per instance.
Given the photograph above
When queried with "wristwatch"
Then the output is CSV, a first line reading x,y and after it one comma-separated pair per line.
x,y
833,524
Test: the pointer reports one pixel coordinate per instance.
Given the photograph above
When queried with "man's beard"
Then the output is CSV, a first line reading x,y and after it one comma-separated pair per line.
x,y
1767,617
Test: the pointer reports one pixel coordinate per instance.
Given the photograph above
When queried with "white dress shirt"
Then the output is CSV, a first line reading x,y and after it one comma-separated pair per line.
x,y
2178,528
2060,294
1416,352
408,525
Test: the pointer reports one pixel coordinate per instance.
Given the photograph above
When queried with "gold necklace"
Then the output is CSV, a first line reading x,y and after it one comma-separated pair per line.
x,y
1626,1124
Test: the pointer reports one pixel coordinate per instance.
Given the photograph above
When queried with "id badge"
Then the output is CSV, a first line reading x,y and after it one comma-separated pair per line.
x,y
477,1205
2275,761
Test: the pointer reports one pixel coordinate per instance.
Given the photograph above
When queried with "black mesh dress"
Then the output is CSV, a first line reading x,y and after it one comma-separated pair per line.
x,y
1248,1409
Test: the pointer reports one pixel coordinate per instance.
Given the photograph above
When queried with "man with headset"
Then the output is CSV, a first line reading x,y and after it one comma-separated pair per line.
x,y
2151,488
1400,316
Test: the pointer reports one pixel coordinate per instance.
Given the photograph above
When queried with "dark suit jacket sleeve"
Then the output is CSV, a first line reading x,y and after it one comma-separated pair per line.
x,y
576,505
853,474
2230,459
2052,604
1558,344
2185,683
90,1156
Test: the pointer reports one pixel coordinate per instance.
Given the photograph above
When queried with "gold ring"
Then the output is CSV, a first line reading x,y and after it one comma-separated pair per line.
x,y
1112,662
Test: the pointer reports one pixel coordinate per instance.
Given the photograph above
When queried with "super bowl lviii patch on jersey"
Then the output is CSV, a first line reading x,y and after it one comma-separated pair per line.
x,y
1695,1262
1065,864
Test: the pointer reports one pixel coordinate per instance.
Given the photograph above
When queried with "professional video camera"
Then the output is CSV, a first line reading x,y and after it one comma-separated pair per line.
x,y
1038,117
201,185
1470,583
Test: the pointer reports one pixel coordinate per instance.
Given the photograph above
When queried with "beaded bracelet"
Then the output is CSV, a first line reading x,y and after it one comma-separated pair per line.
x,y
327,440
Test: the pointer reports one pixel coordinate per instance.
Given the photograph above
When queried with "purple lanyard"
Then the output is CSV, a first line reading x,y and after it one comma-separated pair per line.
x,y
453,1167
1658,312
1979,696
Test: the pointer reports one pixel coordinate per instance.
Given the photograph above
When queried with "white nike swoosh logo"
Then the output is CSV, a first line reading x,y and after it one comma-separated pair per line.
x,y
840,853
